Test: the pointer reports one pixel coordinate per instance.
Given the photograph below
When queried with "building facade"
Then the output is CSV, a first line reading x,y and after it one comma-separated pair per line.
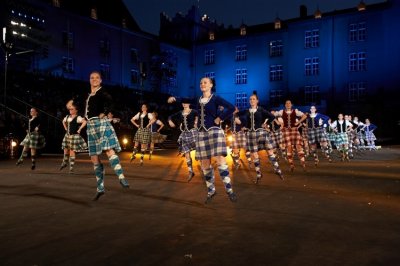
x,y
341,61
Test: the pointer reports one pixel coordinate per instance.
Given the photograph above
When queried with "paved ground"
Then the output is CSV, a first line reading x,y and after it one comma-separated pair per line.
x,y
337,214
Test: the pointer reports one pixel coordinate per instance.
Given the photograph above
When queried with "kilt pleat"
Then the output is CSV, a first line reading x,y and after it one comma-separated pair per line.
x,y
187,141
291,136
34,140
239,140
143,135
210,143
101,136
74,142
317,135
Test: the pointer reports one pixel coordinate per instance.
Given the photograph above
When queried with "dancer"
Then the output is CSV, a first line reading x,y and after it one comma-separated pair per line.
x,y
73,141
33,140
341,127
257,137
369,134
143,134
187,120
101,134
359,136
275,134
211,139
238,140
291,134
316,134
156,137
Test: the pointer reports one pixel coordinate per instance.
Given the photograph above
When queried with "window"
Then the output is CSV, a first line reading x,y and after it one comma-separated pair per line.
x,y
311,95
275,48
362,61
211,36
353,32
241,52
68,64
357,91
362,31
134,76
276,96
276,72
134,56
243,31
311,66
358,32
241,101
56,3
311,38
358,61
105,71
210,75
315,66
277,24
68,39
104,46
241,76
93,13
209,57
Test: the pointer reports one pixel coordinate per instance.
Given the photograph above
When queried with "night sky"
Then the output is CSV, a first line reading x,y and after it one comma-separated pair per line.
x,y
231,12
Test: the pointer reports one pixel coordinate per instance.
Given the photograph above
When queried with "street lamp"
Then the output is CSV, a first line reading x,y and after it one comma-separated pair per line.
x,y
7,47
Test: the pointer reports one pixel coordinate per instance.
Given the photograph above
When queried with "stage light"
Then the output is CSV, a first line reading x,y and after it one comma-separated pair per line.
x,y
13,143
125,141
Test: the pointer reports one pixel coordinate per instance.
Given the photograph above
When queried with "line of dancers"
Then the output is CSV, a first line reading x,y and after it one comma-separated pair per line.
x,y
200,121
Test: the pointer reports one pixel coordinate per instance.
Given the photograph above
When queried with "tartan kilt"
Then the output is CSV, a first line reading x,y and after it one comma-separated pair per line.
x,y
331,136
317,135
370,136
210,143
157,137
74,142
304,133
258,140
276,138
101,136
291,136
352,135
34,140
360,135
341,139
143,135
187,141
239,140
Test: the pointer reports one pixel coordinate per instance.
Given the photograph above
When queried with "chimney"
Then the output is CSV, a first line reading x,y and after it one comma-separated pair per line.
x,y
303,11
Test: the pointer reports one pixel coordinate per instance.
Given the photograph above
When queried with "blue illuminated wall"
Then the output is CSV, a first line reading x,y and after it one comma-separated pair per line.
x,y
380,45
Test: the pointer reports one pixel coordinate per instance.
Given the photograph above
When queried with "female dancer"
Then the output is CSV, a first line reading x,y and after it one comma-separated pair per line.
x,y
341,127
291,134
101,134
369,134
143,134
257,137
73,141
317,134
156,137
275,134
187,121
238,140
211,139
33,139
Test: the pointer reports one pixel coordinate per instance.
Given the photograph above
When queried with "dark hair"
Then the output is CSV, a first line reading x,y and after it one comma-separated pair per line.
x,y
95,72
255,95
214,87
